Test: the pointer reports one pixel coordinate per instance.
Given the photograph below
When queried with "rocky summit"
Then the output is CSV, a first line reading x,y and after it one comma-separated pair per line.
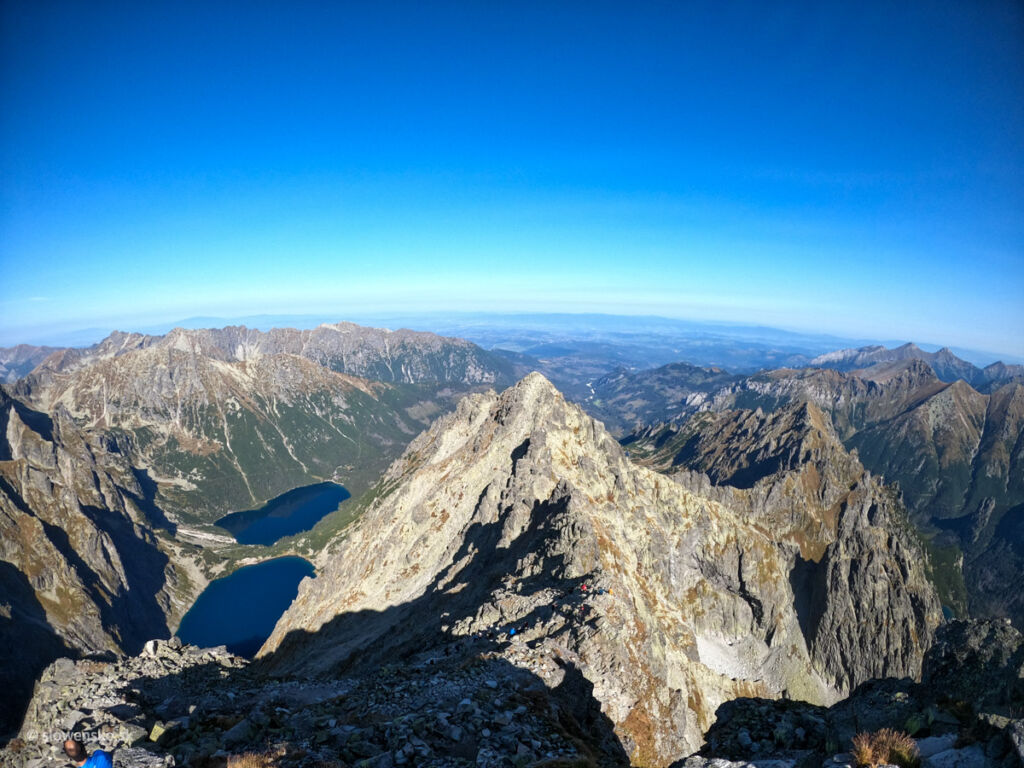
x,y
519,521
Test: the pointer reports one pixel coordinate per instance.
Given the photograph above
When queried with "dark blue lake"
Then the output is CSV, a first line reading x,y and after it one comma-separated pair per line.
x,y
290,513
240,610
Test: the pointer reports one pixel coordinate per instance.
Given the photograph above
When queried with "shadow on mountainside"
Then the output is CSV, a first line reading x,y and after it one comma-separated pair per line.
x,y
27,645
132,615
442,663
147,502
463,596
475,707
352,641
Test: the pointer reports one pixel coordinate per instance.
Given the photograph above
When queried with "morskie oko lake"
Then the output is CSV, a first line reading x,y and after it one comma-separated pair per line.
x,y
240,610
293,512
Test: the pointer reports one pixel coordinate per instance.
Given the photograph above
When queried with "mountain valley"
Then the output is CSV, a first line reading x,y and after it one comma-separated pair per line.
x,y
729,536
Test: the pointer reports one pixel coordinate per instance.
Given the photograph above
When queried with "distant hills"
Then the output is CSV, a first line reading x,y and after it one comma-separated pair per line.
x,y
632,341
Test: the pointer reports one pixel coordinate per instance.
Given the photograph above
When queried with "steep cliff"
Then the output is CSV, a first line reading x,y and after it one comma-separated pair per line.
x,y
497,518
956,454
81,569
789,471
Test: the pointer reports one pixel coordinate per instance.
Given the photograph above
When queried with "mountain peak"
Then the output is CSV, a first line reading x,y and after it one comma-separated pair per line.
x,y
497,517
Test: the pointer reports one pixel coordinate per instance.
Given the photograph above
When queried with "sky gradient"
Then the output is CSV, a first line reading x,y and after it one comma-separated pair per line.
x,y
851,169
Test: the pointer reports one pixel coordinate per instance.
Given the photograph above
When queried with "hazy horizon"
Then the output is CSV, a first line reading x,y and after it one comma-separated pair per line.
x,y
462,324
855,172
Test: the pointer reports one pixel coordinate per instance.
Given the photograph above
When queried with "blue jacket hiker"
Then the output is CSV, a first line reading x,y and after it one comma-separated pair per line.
x,y
75,751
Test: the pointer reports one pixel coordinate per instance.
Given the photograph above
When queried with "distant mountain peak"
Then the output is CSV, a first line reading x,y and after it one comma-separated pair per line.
x,y
946,365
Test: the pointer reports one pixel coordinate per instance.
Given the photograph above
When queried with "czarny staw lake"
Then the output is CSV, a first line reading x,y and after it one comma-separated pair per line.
x,y
293,512
240,610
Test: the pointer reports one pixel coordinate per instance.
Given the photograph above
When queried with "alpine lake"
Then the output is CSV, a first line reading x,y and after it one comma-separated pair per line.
x,y
241,609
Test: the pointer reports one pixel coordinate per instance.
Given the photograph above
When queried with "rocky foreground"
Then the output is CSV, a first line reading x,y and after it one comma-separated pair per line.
x,y
491,702
478,704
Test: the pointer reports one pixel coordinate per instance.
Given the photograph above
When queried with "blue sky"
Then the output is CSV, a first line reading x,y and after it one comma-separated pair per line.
x,y
847,168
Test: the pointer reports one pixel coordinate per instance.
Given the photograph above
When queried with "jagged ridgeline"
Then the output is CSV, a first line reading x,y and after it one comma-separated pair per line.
x,y
955,453
222,420
519,512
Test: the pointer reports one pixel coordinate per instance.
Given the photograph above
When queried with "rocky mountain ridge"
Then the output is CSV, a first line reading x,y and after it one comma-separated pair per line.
x,y
221,436
954,452
82,566
400,356
520,516
946,365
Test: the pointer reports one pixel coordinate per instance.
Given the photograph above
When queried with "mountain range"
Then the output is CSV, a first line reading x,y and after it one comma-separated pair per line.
x,y
790,532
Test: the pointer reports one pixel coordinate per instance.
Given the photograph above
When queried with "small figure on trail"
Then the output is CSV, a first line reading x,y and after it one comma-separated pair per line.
x,y
75,751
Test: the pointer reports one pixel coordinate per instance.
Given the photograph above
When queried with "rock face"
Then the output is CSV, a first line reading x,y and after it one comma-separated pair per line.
x,y
962,713
519,513
789,471
981,662
220,436
81,569
955,453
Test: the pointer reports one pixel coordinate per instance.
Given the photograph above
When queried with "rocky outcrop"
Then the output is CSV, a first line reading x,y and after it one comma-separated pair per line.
x,y
82,568
981,662
963,712
187,706
519,514
491,703
789,471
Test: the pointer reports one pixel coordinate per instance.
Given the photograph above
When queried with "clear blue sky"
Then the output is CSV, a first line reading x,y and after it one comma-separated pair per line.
x,y
851,167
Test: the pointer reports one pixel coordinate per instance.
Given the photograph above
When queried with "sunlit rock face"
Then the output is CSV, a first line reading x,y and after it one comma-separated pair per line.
x,y
226,419
498,516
